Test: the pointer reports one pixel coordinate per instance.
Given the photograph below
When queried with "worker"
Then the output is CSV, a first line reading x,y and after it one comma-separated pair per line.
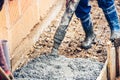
x,y
110,12
83,12
4,58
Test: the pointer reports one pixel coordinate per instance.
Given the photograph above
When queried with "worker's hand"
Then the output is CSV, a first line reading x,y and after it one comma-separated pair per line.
x,y
67,2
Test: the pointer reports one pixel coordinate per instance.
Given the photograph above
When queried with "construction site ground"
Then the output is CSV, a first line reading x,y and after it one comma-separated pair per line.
x,y
70,46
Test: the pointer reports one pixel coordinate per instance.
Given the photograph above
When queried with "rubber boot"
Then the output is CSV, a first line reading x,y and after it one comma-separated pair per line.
x,y
113,21
89,34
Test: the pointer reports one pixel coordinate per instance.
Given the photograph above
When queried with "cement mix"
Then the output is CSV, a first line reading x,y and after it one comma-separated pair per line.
x,y
48,67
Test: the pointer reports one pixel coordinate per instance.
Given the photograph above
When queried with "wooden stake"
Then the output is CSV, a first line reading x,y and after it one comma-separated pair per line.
x,y
117,61
111,67
117,46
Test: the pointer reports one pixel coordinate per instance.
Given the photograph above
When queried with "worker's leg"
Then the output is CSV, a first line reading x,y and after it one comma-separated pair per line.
x,y
83,12
110,12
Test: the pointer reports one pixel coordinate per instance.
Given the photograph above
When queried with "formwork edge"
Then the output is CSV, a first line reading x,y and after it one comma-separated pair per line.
x,y
103,73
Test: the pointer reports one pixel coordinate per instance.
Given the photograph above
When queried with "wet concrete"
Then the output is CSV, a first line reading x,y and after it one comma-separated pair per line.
x,y
48,67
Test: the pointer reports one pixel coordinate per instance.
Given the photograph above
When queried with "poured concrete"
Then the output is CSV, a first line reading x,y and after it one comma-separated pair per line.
x,y
49,67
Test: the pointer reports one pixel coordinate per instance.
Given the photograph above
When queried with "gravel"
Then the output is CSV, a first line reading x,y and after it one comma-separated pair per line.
x,y
47,67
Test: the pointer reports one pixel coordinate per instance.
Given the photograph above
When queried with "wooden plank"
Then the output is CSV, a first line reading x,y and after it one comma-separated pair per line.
x,y
111,62
117,61
103,73
117,50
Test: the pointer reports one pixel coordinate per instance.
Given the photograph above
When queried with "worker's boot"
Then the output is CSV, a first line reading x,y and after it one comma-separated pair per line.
x,y
89,34
113,20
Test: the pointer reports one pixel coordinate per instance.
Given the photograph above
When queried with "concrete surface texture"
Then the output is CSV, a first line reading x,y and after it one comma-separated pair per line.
x,y
49,67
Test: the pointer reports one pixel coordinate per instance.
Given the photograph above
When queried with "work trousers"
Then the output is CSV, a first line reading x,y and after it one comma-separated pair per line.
x,y
108,7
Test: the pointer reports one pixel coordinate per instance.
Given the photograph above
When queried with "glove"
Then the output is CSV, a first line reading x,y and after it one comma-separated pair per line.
x,y
1,4
67,2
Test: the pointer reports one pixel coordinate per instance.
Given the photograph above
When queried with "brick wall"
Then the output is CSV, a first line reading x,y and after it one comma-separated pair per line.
x,y
22,22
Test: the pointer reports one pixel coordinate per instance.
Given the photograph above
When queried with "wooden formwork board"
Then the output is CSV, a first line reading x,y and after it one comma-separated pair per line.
x,y
111,69
117,58
111,64
103,73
